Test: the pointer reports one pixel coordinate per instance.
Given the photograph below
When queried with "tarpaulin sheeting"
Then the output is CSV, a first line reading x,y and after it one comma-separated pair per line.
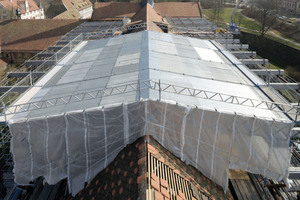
x,y
78,145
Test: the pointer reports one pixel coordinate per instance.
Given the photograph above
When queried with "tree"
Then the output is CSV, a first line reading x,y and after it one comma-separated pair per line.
x,y
217,8
266,14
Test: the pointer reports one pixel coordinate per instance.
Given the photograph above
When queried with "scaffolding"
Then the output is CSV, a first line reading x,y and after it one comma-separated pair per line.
x,y
41,63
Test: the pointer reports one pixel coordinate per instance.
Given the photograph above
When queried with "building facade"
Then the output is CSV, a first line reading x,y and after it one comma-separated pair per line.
x,y
291,5
76,9
28,9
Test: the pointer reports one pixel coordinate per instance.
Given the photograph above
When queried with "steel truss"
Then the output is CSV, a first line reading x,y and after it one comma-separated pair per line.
x,y
290,110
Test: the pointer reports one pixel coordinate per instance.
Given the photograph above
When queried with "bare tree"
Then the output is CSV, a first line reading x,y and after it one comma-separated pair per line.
x,y
266,14
217,8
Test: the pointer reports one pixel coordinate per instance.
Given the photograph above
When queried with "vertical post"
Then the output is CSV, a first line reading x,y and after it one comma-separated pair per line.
x,y
139,85
4,110
269,78
297,112
159,90
30,78
9,98
5,118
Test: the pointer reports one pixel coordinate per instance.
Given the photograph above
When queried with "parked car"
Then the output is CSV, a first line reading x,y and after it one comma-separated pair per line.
x,y
291,20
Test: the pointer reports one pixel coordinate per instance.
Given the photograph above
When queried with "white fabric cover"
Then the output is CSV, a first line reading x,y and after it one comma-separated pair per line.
x,y
78,145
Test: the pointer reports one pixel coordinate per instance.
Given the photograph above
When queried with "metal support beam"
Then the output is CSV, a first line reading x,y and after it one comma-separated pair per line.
x,y
295,131
237,46
244,54
39,62
264,72
294,173
55,48
62,42
228,41
283,86
24,74
19,89
49,54
254,61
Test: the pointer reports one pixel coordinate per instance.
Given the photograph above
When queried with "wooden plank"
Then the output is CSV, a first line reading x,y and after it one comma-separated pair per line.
x,y
252,191
187,189
174,182
236,189
245,188
149,175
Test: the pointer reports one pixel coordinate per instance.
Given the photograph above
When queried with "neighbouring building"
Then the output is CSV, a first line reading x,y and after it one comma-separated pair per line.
x,y
291,5
28,8
76,9
21,39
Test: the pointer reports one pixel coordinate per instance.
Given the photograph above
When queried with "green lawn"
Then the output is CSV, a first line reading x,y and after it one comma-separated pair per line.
x,y
224,18
247,24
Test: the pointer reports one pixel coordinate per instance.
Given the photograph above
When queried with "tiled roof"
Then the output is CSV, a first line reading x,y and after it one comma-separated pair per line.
x,y
145,169
178,9
117,181
68,14
77,4
33,35
73,7
180,180
114,10
17,4
3,62
149,15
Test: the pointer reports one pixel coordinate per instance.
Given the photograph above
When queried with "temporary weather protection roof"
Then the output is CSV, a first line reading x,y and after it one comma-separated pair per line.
x,y
109,92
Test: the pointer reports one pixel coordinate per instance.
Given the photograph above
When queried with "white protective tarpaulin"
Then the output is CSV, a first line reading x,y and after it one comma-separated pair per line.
x,y
78,145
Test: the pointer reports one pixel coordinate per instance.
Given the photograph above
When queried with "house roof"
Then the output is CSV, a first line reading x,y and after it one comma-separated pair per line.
x,y
68,14
3,62
9,5
73,7
149,15
114,10
146,14
77,4
144,169
178,9
33,35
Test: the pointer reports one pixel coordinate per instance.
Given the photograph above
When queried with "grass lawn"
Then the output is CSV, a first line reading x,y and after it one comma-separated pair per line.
x,y
224,18
246,24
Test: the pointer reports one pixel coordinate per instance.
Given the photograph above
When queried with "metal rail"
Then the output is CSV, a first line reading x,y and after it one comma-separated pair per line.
x,y
154,85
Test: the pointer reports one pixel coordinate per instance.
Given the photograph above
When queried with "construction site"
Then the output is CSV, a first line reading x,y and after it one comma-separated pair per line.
x,y
149,101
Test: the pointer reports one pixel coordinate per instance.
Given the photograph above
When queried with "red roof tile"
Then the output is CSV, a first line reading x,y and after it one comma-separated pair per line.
x,y
33,35
77,4
133,185
158,196
3,62
165,192
68,14
178,9
155,185
114,10
164,183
